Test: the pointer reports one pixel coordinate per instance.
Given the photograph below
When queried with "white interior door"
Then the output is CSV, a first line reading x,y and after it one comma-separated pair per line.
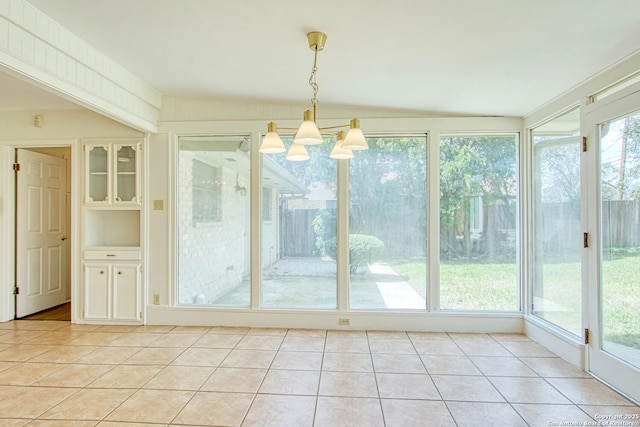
x,y
614,256
40,232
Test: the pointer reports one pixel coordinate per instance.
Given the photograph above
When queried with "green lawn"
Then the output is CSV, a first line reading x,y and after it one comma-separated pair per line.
x,y
493,287
468,286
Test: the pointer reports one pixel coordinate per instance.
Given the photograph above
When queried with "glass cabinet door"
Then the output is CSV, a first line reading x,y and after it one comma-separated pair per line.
x,y
125,171
98,176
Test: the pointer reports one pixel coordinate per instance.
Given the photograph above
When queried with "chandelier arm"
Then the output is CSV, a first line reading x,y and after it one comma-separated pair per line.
x,y
334,127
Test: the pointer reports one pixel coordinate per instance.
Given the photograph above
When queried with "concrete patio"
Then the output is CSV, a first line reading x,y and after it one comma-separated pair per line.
x,y
308,282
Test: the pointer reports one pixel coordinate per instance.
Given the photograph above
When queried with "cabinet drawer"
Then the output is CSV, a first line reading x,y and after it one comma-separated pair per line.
x,y
110,255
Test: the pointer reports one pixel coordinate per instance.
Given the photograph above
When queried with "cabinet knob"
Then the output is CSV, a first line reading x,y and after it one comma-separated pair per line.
x,y
119,272
101,271
63,238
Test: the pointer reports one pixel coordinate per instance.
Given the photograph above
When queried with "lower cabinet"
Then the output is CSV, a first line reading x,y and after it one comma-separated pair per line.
x,y
112,291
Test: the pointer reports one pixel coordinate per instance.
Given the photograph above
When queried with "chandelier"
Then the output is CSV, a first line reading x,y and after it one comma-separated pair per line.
x,y
309,133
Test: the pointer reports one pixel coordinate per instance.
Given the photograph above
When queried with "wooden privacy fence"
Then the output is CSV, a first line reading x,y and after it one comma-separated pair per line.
x,y
297,237
561,229
621,224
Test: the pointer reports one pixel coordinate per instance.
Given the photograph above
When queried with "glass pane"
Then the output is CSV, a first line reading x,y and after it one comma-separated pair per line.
x,y
557,234
299,229
214,221
98,176
620,216
126,174
616,88
478,223
388,224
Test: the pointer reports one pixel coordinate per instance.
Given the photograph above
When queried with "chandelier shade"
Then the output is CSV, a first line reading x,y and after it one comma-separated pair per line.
x,y
309,133
272,143
355,139
339,152
297,153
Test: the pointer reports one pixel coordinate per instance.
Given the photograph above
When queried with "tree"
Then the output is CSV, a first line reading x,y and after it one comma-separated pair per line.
x,y
388,193
476,166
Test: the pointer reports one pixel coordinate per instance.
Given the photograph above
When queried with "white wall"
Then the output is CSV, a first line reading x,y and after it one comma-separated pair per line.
x,y
61,128
35,48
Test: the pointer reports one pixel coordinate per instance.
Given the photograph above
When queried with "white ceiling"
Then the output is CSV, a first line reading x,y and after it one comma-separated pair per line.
x,y
491,57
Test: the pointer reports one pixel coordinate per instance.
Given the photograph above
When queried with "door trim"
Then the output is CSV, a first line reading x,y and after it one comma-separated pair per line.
x,y
7,235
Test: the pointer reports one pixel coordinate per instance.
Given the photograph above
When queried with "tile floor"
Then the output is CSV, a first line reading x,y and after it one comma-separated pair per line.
x,y
54,373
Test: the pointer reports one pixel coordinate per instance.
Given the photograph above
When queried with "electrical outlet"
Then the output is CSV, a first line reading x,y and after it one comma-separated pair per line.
x,y
158,205
156,299
344,321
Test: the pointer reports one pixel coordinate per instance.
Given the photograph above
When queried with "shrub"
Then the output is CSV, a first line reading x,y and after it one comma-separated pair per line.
x,y
363,250
324,225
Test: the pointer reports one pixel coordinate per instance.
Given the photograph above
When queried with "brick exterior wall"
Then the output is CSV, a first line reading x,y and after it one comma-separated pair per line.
x,y
213,257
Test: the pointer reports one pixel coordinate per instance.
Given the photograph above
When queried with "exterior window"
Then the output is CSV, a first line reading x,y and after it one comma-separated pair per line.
x,y
387,224
478,222
298,256
206,192
267,204
213,237
557,234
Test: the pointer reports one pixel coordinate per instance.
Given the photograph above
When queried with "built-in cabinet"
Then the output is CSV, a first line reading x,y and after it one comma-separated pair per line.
x,y
112,224
112,285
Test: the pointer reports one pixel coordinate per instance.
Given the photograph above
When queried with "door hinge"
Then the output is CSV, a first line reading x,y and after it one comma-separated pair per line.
x,y
16,291
585,240
16,167
584,144
586,336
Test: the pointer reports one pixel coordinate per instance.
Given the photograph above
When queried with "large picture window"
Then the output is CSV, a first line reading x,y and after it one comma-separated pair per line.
x,y
478,222
213,220
388,225
298,263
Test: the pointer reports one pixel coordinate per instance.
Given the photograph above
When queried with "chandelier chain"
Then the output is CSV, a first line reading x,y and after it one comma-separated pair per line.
x,y
313,82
